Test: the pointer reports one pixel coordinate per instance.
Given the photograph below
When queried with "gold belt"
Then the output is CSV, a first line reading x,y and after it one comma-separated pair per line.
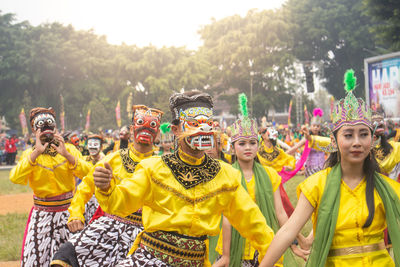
x,y
157,245
356,249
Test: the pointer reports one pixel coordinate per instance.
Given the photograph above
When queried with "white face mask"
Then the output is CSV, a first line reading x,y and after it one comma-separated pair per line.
x,y
198,122
94,146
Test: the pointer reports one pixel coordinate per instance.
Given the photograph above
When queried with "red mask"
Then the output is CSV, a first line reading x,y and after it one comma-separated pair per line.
x,y
146,123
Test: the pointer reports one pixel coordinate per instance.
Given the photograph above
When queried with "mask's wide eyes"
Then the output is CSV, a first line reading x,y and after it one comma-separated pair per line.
x,y
40,123
153,124
193,123
139,121
49,121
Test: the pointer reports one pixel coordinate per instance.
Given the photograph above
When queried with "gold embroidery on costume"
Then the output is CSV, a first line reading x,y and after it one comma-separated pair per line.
x,y
127,162
91,159
50,150
191,175
268,156
379,153
193,200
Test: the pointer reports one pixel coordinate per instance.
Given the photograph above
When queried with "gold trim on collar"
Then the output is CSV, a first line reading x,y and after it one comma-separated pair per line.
x,y
190,159
139,154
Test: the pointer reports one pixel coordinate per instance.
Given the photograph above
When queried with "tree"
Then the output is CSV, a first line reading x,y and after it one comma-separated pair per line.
x,y
386,14
335,33
251,54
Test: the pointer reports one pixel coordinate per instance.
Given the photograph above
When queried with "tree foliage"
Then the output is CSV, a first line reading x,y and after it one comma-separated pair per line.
x,y
254,54
251,53
386,15
334,33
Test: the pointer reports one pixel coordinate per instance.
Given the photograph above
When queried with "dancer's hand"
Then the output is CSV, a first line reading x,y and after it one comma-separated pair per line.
x,y
102,177
39,147
304,130
300,252
75,225
306,245
222,262
60,148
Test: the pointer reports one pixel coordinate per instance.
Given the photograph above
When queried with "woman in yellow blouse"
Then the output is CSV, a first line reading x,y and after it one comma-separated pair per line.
x,y
350,201
183,194
262,184
49,167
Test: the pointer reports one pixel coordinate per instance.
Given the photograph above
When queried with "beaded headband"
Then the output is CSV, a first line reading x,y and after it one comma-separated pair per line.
x,y
350,110
244,127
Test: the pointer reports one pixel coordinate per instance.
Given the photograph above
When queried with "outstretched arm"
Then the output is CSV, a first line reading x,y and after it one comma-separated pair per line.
x,y
226,244
285,236
282,219
124,198
294,148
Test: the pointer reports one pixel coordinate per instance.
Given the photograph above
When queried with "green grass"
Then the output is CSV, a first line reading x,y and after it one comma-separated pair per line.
x,y
8,188
290,187
12,228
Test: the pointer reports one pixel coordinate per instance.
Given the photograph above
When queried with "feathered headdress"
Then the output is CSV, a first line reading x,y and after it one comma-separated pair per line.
x,y
244,127
317,116
350,110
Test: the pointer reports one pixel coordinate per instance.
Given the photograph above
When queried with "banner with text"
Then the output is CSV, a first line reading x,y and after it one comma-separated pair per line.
x,y
384,86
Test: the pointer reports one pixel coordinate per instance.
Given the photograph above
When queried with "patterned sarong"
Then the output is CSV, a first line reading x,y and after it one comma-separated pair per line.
x,y
168,249
103,242
90,209
46,230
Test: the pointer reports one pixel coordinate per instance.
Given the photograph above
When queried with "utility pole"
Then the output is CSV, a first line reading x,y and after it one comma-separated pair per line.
x,y
251,61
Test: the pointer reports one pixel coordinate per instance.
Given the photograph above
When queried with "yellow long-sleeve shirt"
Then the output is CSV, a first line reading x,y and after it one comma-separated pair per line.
x,y
275,158
119,163
196,211
318,142
391,160
49,175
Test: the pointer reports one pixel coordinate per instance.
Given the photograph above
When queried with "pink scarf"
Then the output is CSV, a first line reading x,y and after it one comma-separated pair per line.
x,y
287,175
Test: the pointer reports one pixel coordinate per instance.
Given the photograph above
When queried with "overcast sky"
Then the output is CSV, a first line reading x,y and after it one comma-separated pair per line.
x,y
157,22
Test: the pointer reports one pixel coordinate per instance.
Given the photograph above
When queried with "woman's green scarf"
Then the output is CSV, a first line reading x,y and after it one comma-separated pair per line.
x,y
265,201
328,211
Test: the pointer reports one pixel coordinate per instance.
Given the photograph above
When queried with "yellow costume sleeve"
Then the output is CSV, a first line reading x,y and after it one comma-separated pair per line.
x,y
23,171
319,141
254,228
81,167
274,177
391,160
313,187
128,196
82,195
49,175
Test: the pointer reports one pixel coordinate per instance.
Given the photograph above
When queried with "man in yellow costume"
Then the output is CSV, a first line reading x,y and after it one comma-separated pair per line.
x,y
94,144
109,236
183,194
49,167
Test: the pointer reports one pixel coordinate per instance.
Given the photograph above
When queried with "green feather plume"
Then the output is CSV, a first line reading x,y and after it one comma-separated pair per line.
x,y
165,128
349,80
243,105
